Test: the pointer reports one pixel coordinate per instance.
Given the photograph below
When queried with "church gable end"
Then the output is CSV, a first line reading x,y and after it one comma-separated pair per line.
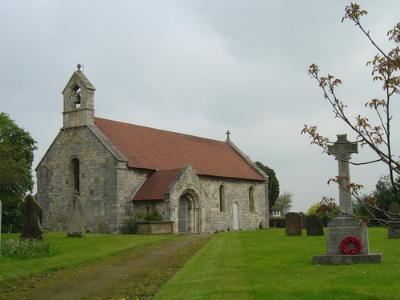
x,y
58,176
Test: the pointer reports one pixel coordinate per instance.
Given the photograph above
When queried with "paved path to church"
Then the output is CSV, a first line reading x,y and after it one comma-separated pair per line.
x,y
136,275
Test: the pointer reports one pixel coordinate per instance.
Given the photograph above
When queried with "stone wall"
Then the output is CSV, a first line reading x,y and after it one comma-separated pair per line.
x,y
235,191
141,208
211,219
98,181
128,183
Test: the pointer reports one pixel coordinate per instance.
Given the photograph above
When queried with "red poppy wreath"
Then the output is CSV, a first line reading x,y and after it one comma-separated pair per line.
x,y
350,245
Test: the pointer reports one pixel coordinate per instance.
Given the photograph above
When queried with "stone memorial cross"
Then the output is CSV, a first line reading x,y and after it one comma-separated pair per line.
x,y
342,150
345,225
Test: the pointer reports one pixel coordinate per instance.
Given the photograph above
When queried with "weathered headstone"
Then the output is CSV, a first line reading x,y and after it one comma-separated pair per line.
x,y
314,225
31,219
293,224
1,211
303,220
345,227
76,223
394,228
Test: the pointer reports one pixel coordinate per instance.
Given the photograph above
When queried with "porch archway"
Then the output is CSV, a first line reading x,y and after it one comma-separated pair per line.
x,y
189,214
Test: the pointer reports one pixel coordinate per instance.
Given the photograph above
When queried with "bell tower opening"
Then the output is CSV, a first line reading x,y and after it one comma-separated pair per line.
x,y
76,96
78,101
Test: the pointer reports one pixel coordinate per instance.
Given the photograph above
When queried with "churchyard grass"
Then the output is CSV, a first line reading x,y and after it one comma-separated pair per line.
x,y
25,249
72,252
268,265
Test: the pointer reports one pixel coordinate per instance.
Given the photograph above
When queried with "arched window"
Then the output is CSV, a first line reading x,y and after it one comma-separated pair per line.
x,y
251,199
221,198
75,174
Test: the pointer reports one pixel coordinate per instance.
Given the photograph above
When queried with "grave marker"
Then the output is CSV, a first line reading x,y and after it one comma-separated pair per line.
x,y
31,219
76,223
394,209
314,225
345,226
1,211
293,224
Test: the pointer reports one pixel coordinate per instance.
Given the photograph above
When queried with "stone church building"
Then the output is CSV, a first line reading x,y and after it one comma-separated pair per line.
x,y
124,172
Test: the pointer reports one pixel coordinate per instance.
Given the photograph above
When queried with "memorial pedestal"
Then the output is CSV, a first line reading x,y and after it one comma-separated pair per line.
x,y
340,228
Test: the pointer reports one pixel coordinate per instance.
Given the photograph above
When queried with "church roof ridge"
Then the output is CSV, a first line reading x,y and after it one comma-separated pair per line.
x,y
157,149
164,130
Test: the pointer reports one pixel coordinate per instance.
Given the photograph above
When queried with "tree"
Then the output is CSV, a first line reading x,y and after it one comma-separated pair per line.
x,y
384,193
16,156
377,135
325,210
284,202
273,183
379,200
312,210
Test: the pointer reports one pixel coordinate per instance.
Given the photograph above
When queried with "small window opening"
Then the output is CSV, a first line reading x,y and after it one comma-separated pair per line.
x,y
75,172
251,199
221,198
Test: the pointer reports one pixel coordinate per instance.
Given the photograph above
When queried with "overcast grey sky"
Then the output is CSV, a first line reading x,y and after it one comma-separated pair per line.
x,y
199,67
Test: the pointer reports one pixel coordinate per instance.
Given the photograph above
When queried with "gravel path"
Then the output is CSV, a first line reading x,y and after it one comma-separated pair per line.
x,y
135,275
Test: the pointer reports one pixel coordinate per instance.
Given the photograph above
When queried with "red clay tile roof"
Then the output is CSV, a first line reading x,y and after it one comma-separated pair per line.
x,y
149,148
156,185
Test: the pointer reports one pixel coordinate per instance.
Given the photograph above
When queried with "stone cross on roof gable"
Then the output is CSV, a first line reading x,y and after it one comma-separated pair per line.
x,y
228,133
342,149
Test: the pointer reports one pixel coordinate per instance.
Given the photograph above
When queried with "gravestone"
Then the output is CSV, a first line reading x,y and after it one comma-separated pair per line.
x,y
394,228
303,220
31,219
0,225
345,226
314,225
76,222
293,224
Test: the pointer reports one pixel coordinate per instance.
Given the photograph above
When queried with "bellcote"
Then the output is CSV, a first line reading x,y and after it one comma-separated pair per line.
x,y
78,101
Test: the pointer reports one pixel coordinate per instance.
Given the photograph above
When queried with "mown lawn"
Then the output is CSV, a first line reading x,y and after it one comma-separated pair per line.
x,y
73,252
268,265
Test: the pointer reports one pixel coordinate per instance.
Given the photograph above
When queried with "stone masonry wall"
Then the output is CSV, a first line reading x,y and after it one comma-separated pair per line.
x,y
235,191
98,182
107,187
128,183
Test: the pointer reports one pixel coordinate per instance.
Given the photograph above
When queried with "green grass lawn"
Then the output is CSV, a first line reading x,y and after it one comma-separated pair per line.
x,y
268,265
72,252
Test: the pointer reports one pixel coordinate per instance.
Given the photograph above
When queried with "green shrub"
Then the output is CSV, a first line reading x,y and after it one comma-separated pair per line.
x,y
24,249
152,216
